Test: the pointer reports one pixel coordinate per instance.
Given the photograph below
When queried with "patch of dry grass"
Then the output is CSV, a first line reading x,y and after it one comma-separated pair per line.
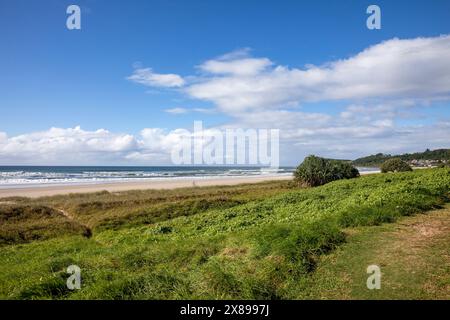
x,y
22,223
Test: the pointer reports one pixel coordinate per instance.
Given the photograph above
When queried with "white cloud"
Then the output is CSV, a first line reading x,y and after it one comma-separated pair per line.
x,y
395,69
147,77
204,110
318,134
75,146
240,67
184,110
387,139
71,145
160,140
3,137
176,110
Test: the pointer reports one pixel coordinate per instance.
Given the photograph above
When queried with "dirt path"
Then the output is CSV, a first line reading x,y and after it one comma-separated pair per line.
x,y
413,255
70,217
65,213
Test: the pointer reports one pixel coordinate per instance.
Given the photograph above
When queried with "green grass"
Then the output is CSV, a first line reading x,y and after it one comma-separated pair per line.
x,y
25,223
413,254
106,210
261,241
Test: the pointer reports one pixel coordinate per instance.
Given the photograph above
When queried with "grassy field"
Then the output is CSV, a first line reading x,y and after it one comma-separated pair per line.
x,y
413,254
260,241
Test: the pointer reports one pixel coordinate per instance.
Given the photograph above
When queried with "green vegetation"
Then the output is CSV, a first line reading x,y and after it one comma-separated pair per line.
x,y
413,256
377,159
105,210
268,243
315,171
20,224
395,165
443,165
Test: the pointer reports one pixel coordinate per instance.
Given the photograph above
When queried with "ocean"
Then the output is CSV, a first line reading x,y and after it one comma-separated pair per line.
x,y
16,176
21,176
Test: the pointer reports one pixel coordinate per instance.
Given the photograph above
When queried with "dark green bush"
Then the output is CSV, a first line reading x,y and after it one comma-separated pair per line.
x,y
316,171
395,165
443,164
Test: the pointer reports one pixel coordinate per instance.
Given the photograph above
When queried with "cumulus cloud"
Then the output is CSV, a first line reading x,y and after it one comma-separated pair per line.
x,y
60,145
3,137
318,134
147,77
238,67
161,140
75,146
387,139
394,69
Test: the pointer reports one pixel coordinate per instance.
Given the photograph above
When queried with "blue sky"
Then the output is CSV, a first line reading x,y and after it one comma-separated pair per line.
x,y
60,78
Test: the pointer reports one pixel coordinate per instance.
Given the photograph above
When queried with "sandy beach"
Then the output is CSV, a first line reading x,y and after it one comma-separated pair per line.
x,y
41,191
51,190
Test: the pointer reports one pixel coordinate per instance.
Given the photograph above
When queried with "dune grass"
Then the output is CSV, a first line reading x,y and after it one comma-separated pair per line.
x,y
25,223
259,241
115,210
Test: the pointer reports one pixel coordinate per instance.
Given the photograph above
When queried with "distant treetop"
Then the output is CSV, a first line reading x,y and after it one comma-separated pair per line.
x,y
377,159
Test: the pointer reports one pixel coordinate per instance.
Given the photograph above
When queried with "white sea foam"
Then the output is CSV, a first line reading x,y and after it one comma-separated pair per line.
x,y
21,178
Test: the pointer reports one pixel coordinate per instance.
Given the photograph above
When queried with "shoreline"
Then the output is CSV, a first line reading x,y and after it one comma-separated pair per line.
x,y
42,191
120,186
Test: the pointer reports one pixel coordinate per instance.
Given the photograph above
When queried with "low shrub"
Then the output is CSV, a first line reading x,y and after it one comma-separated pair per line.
x,y
395,165
315,171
